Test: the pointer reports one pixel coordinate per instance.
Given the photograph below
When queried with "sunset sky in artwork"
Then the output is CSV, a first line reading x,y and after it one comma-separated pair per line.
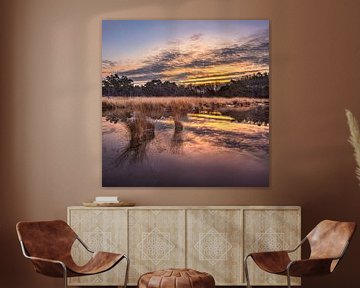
x,y
185,51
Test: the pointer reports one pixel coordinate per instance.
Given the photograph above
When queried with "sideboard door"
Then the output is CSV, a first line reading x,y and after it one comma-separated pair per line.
x,y
214,244
208,239
270,230
101,230
156,240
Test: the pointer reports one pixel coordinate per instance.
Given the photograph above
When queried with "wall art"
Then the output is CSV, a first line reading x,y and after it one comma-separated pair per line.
x,y
185,103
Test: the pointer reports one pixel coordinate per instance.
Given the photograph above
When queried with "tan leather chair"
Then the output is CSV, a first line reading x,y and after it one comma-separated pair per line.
x,y
328,242
48,245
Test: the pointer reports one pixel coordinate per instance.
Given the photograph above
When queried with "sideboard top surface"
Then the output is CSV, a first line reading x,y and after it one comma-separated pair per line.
x,y
193,207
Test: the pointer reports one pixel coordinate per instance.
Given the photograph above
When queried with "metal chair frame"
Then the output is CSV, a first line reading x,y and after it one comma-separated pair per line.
x,y
23,249
288,276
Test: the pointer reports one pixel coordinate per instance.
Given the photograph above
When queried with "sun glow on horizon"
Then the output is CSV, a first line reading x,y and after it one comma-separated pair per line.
x,y
185,52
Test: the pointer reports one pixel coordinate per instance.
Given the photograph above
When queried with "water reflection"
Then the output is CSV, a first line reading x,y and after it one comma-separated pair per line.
x,y
186,152
186,142
177,140
141,132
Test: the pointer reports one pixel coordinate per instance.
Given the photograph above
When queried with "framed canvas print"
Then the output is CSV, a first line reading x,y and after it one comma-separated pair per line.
x,y
185,103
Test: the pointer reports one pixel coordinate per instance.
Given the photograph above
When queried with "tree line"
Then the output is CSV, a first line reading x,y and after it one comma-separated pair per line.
x,y
255,85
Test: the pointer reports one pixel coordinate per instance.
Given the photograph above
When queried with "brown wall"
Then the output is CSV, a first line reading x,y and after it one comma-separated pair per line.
x,y
50,114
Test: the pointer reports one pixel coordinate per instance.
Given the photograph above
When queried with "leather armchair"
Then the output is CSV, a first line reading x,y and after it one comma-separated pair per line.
x,y
48,245
328,242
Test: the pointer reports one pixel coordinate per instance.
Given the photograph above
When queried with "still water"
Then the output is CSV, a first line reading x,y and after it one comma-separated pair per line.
x,y
203,153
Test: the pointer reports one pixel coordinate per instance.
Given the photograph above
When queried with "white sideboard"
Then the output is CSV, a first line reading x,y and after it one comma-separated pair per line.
x,y
211,239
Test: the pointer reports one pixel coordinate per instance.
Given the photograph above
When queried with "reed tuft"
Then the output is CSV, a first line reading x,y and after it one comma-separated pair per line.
x,y
354,140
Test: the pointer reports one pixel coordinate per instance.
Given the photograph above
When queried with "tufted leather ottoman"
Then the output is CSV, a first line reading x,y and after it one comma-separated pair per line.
x,y
176,278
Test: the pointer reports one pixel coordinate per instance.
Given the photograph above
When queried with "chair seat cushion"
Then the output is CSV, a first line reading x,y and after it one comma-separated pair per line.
x,y
176,278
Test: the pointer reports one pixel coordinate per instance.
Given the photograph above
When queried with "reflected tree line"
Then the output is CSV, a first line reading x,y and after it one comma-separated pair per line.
x,y
255,85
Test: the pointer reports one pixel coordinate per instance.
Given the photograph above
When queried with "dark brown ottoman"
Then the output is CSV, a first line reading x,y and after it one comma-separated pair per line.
x,y
176,278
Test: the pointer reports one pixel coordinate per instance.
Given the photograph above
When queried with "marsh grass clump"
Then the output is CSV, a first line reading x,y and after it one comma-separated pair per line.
x,y
116,115
141,131
178,126
177,140
148,109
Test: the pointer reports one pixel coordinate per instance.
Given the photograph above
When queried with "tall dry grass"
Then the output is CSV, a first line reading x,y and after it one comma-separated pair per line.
x,y
354,140
176,107
155,103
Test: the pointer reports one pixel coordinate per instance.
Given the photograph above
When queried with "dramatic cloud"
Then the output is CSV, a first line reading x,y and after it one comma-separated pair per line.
x,y
174,42
160,63
106,64
202,64
255,50
196,37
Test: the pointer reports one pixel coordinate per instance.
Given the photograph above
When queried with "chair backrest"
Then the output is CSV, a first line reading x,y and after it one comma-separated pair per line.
x,y
46,239
329,239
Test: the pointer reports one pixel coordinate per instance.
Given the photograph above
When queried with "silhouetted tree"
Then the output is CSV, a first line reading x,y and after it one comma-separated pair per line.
x,y
256,85
116,86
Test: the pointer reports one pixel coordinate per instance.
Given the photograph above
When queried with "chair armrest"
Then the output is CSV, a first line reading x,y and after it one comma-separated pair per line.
x,y
48,267
46,260
268,253
280,251
84,245
309,267
298,246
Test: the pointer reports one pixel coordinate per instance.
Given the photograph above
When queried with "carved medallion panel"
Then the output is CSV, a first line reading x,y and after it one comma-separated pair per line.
x,y
270,230
214,241
157,240
100,230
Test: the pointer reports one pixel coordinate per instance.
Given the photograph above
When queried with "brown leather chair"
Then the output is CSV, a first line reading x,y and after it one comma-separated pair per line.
x,y
328,242
48,245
